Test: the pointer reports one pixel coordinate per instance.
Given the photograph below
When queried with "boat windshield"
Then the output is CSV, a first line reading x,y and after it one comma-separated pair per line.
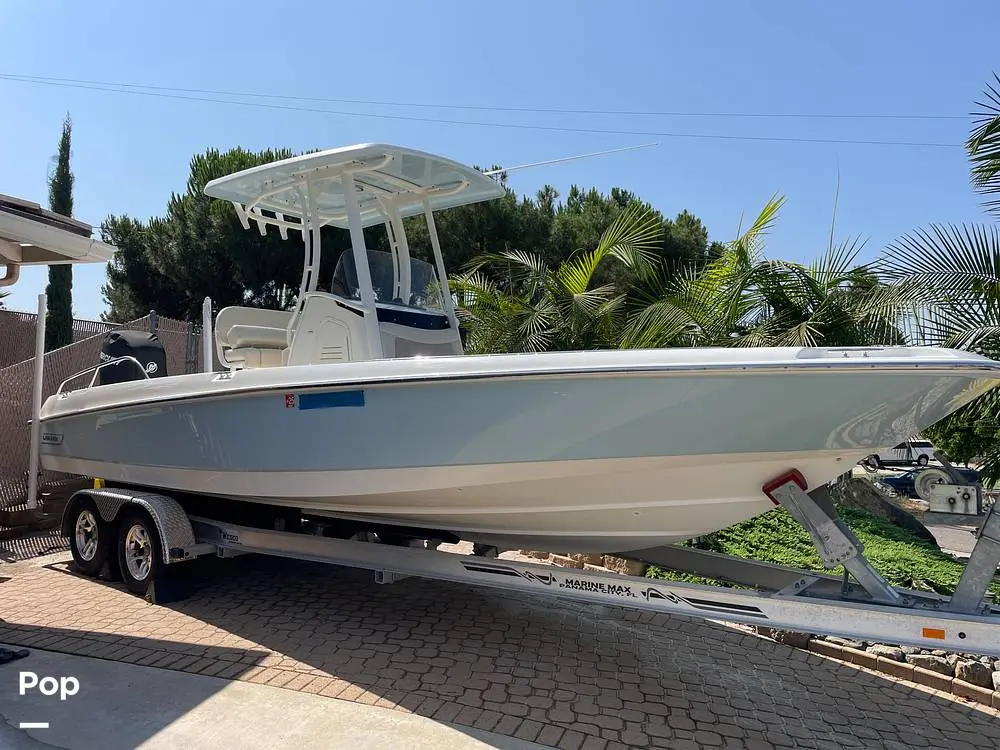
x,y
425,292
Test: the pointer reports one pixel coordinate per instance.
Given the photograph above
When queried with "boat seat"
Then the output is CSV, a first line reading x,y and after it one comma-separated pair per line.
x,y
250,357
248,337
258,337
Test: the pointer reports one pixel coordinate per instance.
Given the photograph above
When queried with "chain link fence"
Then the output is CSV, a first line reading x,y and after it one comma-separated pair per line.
x,y
17,335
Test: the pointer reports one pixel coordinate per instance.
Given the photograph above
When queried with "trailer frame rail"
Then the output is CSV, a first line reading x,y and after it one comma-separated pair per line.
x,y
867,608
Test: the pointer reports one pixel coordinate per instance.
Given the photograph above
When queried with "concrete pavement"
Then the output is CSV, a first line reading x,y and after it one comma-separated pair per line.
x,y
124,706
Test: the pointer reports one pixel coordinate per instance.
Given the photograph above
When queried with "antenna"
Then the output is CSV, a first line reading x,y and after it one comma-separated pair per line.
x,y
568,158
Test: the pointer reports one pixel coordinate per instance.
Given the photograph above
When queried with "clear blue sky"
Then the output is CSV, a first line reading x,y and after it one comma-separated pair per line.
x,y
131,152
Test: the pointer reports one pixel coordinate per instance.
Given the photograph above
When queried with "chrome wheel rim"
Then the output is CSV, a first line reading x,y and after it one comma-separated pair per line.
x,y
138,552
85,534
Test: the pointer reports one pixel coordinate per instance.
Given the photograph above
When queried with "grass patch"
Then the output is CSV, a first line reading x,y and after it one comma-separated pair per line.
x,y
902,557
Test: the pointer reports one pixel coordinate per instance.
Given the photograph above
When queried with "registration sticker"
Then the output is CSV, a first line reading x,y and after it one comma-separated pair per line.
x,y
289,400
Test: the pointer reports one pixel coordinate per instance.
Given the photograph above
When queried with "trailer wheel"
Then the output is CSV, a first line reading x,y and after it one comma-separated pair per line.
x,y
922,459
139,550
90,540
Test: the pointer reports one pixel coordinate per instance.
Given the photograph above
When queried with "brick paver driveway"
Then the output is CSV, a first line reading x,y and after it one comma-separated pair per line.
x,y
557,673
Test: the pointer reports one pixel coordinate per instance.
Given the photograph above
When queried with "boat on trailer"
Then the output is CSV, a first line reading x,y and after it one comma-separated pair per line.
x,y
351,430
359,409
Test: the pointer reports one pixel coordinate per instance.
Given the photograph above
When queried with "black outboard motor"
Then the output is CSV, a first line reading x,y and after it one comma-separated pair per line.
x,y
145,347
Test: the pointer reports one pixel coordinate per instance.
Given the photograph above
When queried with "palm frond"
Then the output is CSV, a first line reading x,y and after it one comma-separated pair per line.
x,y
839,262
590,301
633,237
752,239
971,324
948,260
530,261
661,324
983,146
806,333
612,306
975,339
575,274
753,338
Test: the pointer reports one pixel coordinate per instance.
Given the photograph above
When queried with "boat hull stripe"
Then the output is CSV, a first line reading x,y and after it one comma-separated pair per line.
x,y
330,400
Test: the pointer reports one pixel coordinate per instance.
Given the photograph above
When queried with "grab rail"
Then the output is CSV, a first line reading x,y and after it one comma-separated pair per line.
x,y
98,367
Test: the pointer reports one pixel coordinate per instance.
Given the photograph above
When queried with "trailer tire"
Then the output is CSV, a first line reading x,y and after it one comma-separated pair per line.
x,y
922,460
140,550
90,537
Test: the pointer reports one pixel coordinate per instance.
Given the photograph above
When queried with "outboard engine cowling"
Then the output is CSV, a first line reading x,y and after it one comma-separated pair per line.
x,y
144,347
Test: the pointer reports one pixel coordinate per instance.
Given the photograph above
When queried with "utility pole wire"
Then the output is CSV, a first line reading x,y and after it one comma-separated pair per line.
x,y
496,108
470,123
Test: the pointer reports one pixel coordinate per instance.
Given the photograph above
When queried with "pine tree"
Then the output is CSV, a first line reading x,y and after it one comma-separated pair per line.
x,y
59,317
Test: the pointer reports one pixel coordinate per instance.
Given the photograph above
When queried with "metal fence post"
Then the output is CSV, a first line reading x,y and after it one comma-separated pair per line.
x,y
36,404
190,358
153,322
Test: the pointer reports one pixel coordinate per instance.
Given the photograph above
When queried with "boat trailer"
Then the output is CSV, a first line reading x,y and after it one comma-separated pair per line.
x,y
142,535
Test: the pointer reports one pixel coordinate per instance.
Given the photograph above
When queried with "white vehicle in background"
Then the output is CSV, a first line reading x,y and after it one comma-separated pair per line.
x,y
918,451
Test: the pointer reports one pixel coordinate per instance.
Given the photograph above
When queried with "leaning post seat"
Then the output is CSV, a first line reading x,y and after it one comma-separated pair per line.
x,y
249,337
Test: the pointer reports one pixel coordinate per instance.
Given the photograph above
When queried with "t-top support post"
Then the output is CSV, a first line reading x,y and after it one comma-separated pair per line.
x,y
446,302
360,252
312,240
401,249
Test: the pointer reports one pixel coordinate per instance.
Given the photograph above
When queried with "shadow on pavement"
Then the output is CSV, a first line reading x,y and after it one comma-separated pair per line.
x,y
120,714
121,706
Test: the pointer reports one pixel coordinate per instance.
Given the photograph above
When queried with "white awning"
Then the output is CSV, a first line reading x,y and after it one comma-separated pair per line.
x,y
32,236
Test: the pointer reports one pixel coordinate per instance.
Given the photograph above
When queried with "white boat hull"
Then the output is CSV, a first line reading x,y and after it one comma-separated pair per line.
x,y
582,452
579,506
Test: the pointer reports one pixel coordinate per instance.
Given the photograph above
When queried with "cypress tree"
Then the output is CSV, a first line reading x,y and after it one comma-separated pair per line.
x,y
59,315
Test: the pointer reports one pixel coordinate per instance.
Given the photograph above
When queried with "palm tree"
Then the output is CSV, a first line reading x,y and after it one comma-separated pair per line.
x,y
950,274
514,302
745,299
700,307
949,278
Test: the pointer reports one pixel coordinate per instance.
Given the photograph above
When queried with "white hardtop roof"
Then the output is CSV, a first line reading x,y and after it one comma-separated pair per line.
x,y
31,235
401,175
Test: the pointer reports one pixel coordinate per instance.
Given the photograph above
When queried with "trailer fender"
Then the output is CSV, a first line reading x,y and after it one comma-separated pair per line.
x,y
172,524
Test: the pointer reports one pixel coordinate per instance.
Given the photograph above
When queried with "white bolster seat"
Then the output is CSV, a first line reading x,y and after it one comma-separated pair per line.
x,y
259,337
247,337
